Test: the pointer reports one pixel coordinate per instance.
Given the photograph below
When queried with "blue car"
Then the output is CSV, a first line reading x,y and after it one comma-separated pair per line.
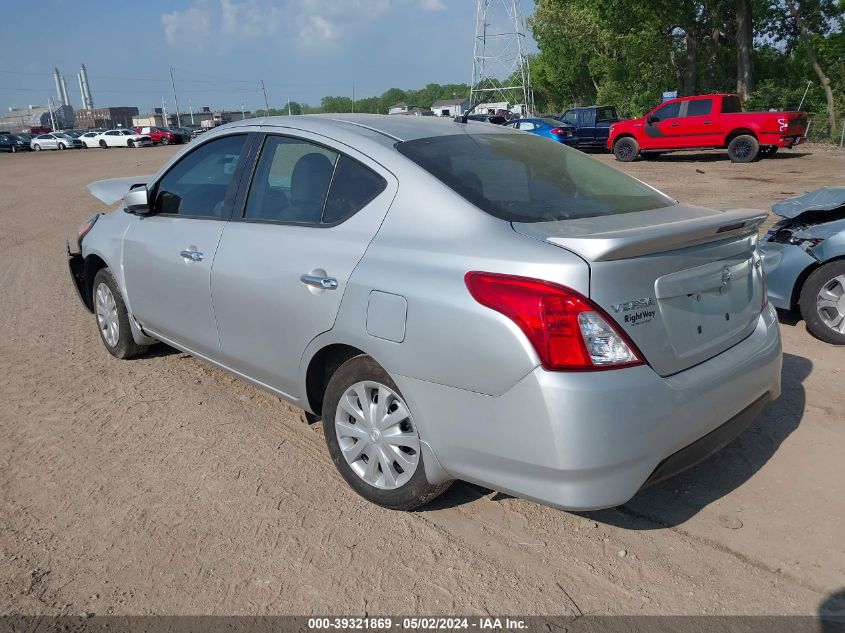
x,y
804,261
550,128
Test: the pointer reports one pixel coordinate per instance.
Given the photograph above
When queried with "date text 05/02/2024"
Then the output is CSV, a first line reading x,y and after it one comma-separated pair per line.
x,y
417,623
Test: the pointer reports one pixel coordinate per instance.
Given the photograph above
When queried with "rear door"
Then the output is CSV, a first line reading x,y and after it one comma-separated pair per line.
x,y
699,126
168,255
305,217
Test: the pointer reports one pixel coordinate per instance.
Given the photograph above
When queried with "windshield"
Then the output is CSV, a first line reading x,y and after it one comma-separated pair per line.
x,y
527,178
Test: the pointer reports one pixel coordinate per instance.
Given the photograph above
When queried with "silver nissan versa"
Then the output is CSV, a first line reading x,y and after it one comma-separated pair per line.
x,y
454,300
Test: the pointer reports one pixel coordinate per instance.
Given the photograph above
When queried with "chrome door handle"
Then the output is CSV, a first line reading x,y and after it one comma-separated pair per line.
x,y
194,256
323,283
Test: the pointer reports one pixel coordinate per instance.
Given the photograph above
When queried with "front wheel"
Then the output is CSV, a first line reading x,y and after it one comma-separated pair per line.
x,y
822,303
13,149
164,141
112,317
743,149
130,143
372,438
626,149
103,145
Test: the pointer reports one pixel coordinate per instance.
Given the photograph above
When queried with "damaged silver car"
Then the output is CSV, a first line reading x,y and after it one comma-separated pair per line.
x,y
804,261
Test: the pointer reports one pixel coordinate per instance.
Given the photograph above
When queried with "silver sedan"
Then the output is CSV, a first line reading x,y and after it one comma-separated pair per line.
x,y
453,300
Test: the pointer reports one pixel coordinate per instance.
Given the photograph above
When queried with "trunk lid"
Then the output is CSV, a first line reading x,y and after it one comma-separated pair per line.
x,y
683,282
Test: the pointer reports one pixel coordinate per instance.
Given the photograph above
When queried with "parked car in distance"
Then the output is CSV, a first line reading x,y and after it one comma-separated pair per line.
x,y
804,260
123,138
162,136
445,297
707,122
549,128
26,137
55,140
90,139
13,144
495,119
590,125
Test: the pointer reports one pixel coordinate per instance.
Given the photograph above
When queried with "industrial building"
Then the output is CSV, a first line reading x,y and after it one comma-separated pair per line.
x,y
37,116
205,118
96,118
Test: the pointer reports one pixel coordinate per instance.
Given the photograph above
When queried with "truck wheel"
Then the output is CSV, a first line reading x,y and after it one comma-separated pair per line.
x,y
743,149
822,303
626,149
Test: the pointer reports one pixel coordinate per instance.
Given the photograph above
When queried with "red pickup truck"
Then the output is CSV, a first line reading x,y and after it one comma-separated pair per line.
x,y
160,136
707,122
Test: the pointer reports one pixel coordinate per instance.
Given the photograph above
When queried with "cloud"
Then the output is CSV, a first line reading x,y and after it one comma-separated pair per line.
x,y
190,27
313,23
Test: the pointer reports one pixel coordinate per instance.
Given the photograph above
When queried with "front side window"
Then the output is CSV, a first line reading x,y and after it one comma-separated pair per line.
x,y
299,182
669,111
524,178
197,184
699,107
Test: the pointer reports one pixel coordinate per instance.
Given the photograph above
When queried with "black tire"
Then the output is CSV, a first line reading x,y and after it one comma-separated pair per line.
x,y
130,143
807,302
626,149
417,491
125,347
164,141
743,149
103,145
37,147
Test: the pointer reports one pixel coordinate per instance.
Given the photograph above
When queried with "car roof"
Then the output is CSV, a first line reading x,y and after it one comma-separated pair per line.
x,y
383,128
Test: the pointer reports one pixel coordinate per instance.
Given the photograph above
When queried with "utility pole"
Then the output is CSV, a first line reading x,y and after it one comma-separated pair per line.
x,y
353,97
266,102
175,98
243,115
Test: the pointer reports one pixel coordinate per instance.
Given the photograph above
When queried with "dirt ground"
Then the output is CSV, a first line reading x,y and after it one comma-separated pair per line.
x,y
166,486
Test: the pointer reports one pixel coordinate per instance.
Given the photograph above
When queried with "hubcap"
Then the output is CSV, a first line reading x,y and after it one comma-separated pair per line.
x,y
376,436
106,309
830,304
742,149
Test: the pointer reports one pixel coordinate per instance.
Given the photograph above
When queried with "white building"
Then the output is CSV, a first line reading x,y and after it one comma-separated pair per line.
x,y
450,107
399,108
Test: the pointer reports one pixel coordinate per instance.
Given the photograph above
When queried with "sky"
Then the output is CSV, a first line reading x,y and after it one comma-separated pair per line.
x,y
221,49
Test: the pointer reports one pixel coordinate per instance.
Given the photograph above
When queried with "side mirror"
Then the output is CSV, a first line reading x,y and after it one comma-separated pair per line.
x,y
136,201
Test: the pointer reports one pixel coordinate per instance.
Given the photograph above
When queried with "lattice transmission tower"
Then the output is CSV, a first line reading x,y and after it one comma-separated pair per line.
x,y
499,64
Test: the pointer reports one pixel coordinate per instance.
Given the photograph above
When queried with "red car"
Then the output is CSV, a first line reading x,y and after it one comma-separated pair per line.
x,y
160,135
707,122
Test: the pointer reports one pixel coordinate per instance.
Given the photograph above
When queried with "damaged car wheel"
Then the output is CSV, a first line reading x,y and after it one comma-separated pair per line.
x,y
823,303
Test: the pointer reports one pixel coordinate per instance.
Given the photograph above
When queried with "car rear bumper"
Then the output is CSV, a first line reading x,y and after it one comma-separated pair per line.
x,y
583,441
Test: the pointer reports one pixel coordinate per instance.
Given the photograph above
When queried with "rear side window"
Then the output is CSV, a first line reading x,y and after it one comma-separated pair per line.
x,y
699,107
603,115
731,105
297,181
571,117
197,184
353,187
524,178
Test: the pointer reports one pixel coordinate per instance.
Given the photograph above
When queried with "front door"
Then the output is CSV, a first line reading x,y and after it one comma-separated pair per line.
x,y
168,254
283,265
663,128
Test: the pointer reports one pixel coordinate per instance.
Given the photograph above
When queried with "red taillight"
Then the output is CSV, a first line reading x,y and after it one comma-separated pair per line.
x,y
557,130
568,331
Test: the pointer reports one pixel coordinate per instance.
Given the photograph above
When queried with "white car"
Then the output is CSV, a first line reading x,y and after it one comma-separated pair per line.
x,y
123,138
89,139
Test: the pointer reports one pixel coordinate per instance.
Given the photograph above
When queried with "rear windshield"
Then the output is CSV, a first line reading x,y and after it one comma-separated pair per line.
x,y
528,178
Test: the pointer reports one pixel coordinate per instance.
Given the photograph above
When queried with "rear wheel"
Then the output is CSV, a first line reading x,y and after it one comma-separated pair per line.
x,y
822,303
372,438
112,317
37,147
626,149
743,149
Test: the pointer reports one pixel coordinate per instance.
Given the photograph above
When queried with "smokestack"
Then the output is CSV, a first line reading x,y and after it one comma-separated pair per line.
x,y
87,100
81,88
58,79
65,101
